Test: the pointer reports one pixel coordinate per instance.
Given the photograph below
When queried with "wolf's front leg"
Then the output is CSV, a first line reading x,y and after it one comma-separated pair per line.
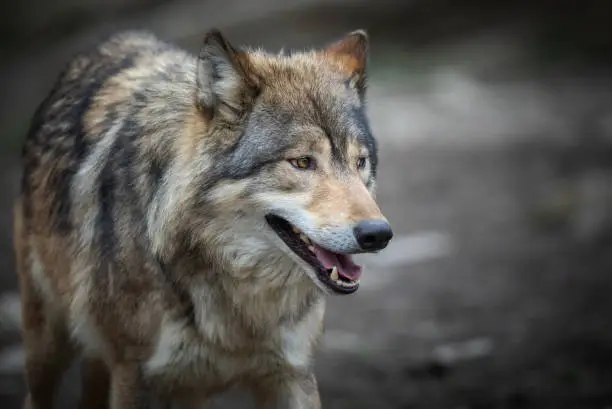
x,y
289,391
129,390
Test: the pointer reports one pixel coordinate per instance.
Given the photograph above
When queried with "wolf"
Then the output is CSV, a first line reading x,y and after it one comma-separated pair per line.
x,y
182,219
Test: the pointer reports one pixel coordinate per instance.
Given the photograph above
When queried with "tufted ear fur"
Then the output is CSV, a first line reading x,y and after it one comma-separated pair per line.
x,y
226,84
351,53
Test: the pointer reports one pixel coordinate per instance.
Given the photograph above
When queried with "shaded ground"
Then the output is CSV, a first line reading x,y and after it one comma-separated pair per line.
x,y
496,291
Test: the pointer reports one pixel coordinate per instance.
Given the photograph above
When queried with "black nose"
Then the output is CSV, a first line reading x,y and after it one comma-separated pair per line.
x,y
373,235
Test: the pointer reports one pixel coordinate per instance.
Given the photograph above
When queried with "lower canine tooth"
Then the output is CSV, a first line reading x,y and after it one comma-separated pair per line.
x,y
334,274
296,230
311,248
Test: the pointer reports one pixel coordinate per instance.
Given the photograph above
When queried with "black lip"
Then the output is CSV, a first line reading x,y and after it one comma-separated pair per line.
x,y
284,229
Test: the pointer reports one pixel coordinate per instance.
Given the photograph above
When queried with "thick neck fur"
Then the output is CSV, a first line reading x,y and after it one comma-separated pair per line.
x,y
264,294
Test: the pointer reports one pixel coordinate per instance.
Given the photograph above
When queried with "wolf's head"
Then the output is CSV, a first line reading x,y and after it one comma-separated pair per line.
x,y
294,161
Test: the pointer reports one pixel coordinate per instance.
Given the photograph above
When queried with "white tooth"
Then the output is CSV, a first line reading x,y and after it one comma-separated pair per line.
x,y
296,230
347,284
304,238
311,248
334,274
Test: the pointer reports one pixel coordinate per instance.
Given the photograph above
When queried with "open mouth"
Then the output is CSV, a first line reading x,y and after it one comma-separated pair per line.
x,y
337,271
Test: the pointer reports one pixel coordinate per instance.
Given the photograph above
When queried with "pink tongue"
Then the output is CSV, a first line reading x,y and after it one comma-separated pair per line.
x,y
343,262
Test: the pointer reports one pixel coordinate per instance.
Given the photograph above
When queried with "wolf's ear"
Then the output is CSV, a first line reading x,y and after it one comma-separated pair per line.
x,y
351,53
226,84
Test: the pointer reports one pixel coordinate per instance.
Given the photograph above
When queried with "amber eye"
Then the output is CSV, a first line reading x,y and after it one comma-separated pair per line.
x,y
361,162
304,162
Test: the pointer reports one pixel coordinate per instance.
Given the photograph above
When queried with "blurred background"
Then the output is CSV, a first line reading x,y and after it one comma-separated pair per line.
x,y
495,130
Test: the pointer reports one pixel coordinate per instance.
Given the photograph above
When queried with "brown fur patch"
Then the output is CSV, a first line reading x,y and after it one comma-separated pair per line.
x,y
350,53
343,201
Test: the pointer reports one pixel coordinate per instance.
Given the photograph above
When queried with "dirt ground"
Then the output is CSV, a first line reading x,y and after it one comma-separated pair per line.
x,y
495,291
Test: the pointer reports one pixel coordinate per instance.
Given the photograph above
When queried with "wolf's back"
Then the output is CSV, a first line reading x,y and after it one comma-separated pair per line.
x,y
96,90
